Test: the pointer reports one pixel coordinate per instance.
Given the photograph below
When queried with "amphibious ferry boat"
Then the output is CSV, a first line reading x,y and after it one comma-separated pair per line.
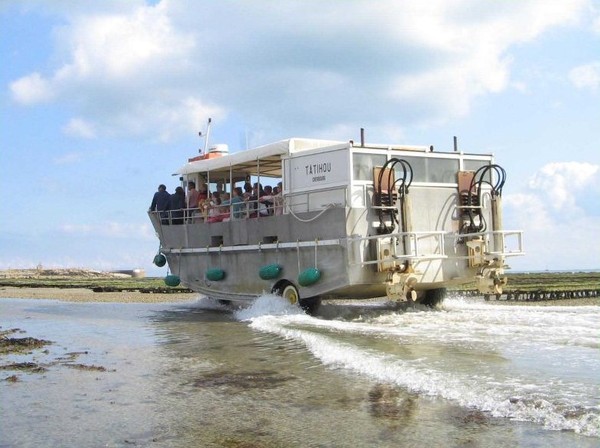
x,y
348,221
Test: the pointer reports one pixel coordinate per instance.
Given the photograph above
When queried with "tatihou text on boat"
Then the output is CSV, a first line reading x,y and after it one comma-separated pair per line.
x,y
334,219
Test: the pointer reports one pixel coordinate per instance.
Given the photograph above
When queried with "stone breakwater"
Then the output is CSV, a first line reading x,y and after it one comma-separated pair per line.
x,y
534,296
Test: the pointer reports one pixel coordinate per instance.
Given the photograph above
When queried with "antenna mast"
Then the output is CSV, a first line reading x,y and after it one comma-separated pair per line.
x,y
205,135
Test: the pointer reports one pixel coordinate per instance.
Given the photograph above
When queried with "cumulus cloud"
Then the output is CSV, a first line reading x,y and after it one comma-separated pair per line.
x,y
596,24
559,215
164,68
586,76
32,89
561,183
78,127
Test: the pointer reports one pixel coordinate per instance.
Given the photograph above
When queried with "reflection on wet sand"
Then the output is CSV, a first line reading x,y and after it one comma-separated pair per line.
x,y
193,375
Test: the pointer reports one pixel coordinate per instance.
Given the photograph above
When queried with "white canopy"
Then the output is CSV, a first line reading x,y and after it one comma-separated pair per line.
x,y
246,161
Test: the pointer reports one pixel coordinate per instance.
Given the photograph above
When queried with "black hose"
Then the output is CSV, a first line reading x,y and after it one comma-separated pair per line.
x,y
401,184
497,174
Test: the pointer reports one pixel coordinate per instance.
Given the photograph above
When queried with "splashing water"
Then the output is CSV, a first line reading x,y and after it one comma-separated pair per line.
x,y
535,364
268,305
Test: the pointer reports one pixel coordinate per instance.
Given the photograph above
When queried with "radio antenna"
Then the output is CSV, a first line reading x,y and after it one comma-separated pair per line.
x,y
205,135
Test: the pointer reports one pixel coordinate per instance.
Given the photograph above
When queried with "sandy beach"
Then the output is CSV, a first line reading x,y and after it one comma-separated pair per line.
x,y
87,295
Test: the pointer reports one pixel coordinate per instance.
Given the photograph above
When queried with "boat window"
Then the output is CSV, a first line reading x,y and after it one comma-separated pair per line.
x,y
364,164
427,169
216,240
474,165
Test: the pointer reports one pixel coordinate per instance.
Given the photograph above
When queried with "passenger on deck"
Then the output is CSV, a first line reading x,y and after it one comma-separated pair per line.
x,y
214,209
177,205
192,199
257,207
160,203
203,207
225,203
237,204
267,199
247,191
202,192
278,199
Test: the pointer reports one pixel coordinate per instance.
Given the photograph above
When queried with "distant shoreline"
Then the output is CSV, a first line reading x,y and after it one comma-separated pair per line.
x,y
83,285
87,295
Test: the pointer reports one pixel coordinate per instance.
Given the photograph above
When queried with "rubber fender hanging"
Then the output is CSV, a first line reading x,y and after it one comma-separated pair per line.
x,y
172,280
215,274
309,277
160,260
270,271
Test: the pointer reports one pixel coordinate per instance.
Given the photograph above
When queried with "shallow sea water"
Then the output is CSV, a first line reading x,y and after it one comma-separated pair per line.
x,y
200,374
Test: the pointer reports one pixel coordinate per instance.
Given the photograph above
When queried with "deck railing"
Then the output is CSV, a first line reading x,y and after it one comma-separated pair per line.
x,y
417,246
263,207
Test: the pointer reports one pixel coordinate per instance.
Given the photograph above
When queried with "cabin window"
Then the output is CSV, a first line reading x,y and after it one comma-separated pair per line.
x,y
216,240
364,164
474,165
426,169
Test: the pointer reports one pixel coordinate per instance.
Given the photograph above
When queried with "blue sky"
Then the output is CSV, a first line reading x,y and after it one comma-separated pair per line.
x,y
102,101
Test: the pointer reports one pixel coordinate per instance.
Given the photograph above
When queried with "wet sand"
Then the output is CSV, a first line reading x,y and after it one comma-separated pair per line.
x,y
588,301
189,374
87,295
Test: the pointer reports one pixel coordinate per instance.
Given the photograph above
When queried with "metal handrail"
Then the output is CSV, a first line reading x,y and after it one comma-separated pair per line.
x,y
308,194
416,254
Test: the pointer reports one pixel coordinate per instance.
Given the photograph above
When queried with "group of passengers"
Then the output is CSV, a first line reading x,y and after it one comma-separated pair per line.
x,y
200,205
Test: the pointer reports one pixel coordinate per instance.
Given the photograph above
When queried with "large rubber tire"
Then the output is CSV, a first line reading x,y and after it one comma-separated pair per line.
x,y
288,291
310,305
434,297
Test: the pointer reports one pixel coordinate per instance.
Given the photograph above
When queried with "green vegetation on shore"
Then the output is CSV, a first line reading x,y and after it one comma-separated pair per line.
x,y
105,282
98,284
547,282
552,281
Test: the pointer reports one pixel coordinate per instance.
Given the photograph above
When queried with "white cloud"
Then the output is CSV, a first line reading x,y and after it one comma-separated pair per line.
x,y
119,46
163,69
559,215
78,127
586,76
561,182
596,24
32,89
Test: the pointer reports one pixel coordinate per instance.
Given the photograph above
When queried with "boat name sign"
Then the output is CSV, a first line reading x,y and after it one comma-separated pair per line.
x,y
319,169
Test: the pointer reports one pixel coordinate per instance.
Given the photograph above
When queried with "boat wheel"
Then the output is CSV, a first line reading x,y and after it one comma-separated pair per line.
x,y
310,305
434,297
288,291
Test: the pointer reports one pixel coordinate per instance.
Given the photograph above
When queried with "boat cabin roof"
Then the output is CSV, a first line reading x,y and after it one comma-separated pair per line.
x,y
245,162
268,157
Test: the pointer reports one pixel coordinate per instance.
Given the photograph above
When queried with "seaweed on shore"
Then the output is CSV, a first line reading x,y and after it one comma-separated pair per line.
x,y
30,367
20,345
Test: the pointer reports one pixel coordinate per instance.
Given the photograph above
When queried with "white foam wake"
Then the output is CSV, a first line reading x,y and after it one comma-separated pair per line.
x,y
539,369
